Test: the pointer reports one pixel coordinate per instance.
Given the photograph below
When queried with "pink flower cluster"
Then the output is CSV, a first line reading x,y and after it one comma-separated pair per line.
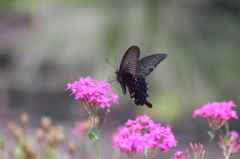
x,y
82,128
92,92
231,144
198,152
138,134
181,155
217,113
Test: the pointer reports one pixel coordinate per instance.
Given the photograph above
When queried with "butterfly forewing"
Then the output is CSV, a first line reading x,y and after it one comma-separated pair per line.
x,y
148,63
130,61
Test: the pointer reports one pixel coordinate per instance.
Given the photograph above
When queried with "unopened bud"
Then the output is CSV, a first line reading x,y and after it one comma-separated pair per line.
x,y
24,118
17,133
39,134
71,147
50,138
11,126
60,137
46,122
31,153
106,115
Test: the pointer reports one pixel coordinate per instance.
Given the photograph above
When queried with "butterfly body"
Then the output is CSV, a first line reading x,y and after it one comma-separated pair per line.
x,y
132,73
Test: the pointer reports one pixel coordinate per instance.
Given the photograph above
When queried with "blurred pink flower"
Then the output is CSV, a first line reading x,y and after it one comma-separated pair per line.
x,y
93,93
180,155
216,113
78,129
198,150
138,134
230,144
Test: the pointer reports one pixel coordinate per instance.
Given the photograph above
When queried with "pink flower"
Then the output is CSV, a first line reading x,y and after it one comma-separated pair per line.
x,y
93,93
230,144
138,134
78,129
198,150
217,113
82,128
181,155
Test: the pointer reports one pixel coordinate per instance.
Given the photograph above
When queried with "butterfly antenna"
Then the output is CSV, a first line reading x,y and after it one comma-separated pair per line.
x,y
111,64
115,59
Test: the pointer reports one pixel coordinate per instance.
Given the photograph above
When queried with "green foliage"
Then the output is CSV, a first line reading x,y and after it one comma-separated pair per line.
x,y
50,153
93,134
211,135
2,143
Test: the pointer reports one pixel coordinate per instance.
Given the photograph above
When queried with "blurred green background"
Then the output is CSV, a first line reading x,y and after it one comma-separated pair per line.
x,y
44,44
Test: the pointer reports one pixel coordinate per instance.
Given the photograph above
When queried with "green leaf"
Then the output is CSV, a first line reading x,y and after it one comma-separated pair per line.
x,y
211,135
93,134
50,153
18,153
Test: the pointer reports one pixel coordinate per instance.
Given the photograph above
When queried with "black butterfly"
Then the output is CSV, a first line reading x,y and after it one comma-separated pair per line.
x,y
132,72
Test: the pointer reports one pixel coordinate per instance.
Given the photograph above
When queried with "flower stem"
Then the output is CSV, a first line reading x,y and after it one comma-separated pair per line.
x,y
227,128
96,147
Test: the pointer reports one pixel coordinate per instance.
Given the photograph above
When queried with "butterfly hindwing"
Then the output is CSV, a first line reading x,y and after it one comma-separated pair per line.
x,y
138,89
148,63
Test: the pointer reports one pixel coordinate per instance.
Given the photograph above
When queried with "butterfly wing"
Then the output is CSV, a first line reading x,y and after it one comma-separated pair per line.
x,y
132,72
130,61
148,63
138,90
128,66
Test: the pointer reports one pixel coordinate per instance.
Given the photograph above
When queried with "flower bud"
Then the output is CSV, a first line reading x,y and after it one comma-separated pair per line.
x,y
50,138
46,122
11,126
24,118
39,134
60,137
15,130
30,152
71,147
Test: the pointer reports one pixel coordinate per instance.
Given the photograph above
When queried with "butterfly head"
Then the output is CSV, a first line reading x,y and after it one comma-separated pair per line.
x,y
119,77
121,81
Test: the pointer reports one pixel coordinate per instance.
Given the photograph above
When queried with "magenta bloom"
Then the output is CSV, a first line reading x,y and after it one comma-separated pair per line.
x,y
217,113
138,134
230,144
92,92
181,155
198,150
78,129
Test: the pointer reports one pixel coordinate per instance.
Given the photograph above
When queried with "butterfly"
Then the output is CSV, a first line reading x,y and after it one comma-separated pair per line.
x,y
133,72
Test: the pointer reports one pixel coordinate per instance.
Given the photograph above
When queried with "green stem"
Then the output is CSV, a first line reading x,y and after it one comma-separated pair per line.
x,y
212,136
145,152
227,128
209,144
96,147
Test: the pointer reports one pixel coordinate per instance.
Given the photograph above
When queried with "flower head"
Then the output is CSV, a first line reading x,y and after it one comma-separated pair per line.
x,y
181,155
82,128
142,133
92,92
198,150
216,113
230,144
